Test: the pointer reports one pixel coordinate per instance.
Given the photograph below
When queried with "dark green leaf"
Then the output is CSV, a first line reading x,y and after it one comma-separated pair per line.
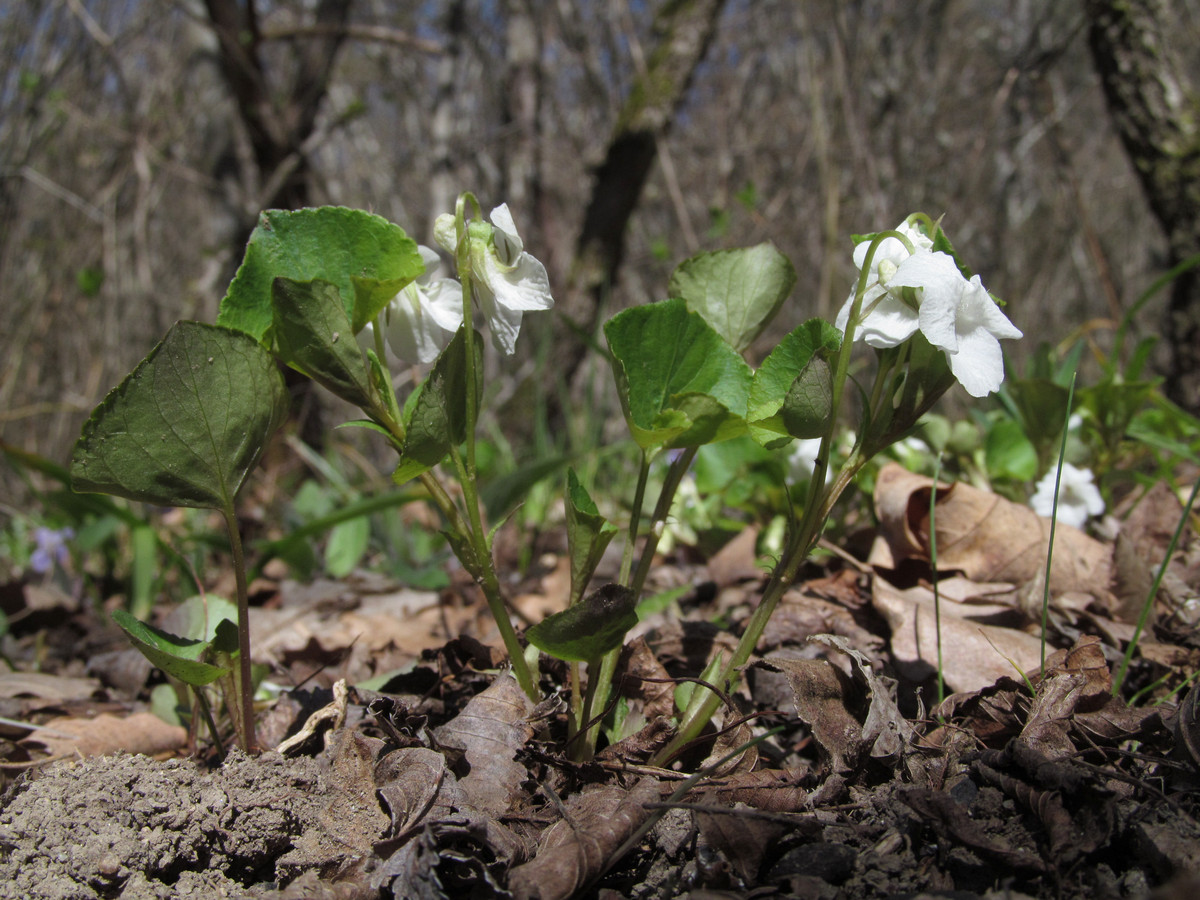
x,y
187,425
313,334
590,628
786,373
436,417
588,535
808,406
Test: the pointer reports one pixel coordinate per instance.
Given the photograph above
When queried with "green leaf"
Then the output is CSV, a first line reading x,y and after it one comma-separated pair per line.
x,y
808,406
367,257
588,629
737,292
1008,453
202,613
791,395
680,383
347,545
588,535
435,419
178,657
314,336
187,425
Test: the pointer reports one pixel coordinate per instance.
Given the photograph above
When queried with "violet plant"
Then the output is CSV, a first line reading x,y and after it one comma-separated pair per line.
x,y
328,291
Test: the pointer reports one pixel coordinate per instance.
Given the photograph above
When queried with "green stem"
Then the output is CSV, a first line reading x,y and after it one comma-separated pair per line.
x,y
244,714
600,684
704,702
635,520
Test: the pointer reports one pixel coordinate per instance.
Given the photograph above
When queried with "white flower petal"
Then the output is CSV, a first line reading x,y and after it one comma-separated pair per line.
x,y
432,260
978,309
891,323
524,286
802,461
1078,497
503,323
978,365
444,303
508,241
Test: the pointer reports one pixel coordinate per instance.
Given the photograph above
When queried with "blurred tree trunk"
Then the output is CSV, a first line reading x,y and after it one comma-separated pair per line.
x,y
280,122
443,191
684,28
1154,107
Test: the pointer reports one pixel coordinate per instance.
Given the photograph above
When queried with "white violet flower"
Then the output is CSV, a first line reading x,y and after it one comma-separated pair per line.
x,y
420,320
960,318
507,281
889,320
1078,496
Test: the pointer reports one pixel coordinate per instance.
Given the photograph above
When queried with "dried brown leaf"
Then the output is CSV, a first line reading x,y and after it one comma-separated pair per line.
x,y
409,781
57,688
574,851
974,654
820,691
489,731
737,561
138,733
643,678
885,730
743,840
769,790
952,820
985,536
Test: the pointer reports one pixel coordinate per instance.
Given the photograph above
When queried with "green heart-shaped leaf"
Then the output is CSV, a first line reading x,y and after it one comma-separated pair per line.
x,y
313,334
680,383
737,292
187,425
786,379
367,257
590,628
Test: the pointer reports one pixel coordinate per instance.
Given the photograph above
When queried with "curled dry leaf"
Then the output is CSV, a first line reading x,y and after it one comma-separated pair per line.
x,y
489,731
984,536
820,691
643,678
768,790
574,851
885,731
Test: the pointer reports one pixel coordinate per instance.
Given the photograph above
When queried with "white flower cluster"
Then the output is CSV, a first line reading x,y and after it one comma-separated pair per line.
x,y
955,314
1078,496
